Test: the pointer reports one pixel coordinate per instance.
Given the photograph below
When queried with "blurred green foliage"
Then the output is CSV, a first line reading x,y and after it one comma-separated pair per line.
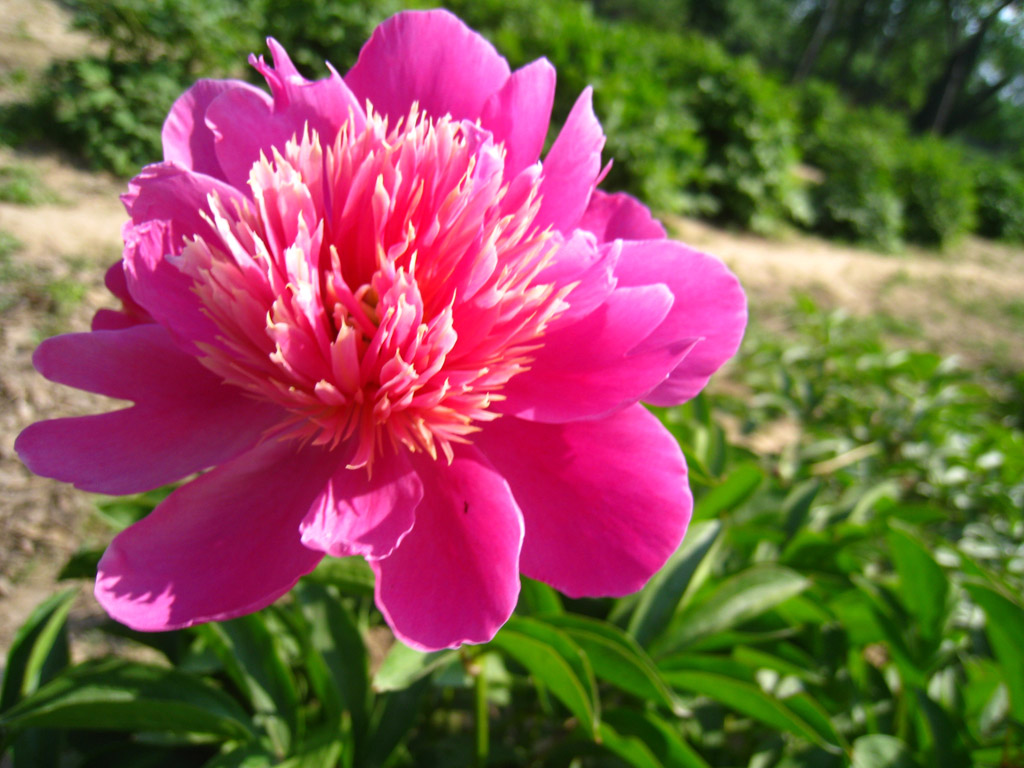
x,y
692,127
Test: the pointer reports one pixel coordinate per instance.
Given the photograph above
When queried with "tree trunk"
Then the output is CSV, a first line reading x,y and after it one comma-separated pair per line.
x,y
821,30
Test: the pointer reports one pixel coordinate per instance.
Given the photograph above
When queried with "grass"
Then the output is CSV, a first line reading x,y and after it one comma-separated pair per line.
x,y
21,185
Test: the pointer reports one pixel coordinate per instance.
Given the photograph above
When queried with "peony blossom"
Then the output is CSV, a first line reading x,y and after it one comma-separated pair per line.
x,y
378,324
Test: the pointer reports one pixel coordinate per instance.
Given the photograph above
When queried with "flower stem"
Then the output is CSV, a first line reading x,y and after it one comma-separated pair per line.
x,y
480,698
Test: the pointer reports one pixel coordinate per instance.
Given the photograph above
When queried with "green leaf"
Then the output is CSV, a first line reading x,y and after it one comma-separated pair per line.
x,y
112,694
537,598
750,700
39,649
924,588
730,493
631,749
758,659
736,600
81,565
1004,627
660,598
243,756
616,658
394,716
797,506
338,642
254,660
351,575
553,659
403,666
660,738
881,751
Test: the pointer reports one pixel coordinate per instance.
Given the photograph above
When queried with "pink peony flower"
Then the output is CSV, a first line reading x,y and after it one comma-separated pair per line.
x,y
386,329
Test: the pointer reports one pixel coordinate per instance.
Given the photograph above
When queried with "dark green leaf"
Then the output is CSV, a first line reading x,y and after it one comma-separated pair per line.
x,y
663,594
730,493
81,565
553,659
617,659
1005,627
39,649
736,600
112,694
660,738
538,599
338,641
750,700
351,575
924,587
403,666
394,716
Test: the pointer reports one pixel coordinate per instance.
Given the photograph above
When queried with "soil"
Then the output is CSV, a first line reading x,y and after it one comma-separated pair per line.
x,y
969,301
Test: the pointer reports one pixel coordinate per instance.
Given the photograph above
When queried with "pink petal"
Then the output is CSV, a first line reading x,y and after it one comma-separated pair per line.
x,y
520,112
246,123
221,546
131,312
709,306
620,216
185,419
186,138
429,57
165,202
455,578
365,515
571,167
590,369
604,502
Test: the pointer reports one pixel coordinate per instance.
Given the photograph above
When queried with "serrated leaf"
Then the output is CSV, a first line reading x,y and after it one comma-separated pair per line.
x,y
663,594
553,659
738,599
112,694
617,659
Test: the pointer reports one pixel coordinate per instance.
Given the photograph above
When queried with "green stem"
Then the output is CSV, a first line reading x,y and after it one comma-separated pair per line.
x,y
482,734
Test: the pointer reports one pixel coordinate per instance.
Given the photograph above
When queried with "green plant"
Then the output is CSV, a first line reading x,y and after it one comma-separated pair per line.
x,y
937,187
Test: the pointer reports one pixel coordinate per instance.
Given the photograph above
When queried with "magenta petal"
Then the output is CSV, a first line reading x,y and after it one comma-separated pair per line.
x,y
185,419
246,123
590,369
709,306
604,502
429,57
186,138
455,578
519,113
221,546
165,202
619,215
571,167
364,515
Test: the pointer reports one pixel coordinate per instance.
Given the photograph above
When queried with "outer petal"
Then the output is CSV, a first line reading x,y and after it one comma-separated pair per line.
x,y
186,138
184,419
455,578
571,167
520,112
709,306
364,515
619,215
165,202
604,502
224,545
246,123
131,313
429,57
593,367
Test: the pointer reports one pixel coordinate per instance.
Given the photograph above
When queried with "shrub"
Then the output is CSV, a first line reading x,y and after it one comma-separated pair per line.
x,y
937,188
1000,194
857,198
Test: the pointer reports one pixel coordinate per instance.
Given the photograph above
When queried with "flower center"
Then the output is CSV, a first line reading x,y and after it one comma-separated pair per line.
x,y
382,289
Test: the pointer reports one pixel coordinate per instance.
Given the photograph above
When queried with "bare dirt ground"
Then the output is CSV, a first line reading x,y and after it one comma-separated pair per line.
x,y
969,301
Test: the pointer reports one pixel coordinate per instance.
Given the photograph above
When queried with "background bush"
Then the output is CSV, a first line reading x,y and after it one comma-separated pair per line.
x,y
937,187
